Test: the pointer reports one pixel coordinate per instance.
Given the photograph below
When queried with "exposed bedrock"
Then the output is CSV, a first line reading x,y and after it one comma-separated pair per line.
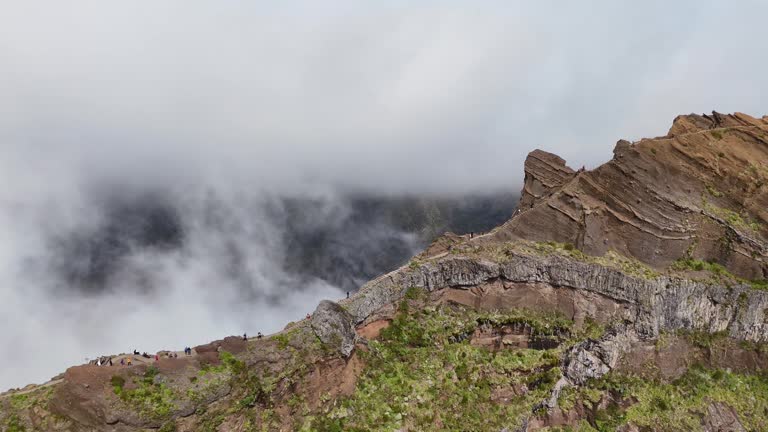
x,y
647,305
545,173
701,191
333,326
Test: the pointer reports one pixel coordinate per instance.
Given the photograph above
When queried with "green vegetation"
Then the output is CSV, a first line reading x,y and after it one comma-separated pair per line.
x,y
731,217
719,273
14,408
150,398
583,426
684,264
231,363
503,252
703,339
680,404
423,374
118,383
14,424
282,339
714,192
717,134
22,401
169,426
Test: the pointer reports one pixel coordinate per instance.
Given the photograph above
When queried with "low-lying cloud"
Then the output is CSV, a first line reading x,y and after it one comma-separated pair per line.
x,y
169,169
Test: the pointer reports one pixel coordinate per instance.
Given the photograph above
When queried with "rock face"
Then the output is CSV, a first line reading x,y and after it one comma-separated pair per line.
x,y
333,325
595,358
652,305
701,191
545,173
721,418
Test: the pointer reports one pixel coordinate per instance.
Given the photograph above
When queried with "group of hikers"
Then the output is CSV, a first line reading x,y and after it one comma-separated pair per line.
x,y
127,360
258,336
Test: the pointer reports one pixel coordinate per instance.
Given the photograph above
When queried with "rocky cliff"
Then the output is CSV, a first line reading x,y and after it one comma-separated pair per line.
x,y
699,191
629,297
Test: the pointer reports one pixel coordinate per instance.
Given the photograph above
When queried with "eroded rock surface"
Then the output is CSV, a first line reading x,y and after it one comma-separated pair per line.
x,y
660,303
701,191
333,325
545,173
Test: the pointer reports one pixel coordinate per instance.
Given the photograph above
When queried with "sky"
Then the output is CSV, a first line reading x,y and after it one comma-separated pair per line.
x,y
206,115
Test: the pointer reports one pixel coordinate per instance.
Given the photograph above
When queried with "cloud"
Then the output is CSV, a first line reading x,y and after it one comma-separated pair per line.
x,y
209,118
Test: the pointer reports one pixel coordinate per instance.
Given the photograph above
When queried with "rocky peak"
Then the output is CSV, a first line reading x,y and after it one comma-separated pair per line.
x,y
691,123
545,173
701,192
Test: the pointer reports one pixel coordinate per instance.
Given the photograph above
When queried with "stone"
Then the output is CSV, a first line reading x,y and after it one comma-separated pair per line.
x,y
333,325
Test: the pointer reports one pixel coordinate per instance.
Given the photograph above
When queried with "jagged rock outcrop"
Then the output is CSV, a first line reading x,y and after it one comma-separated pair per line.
x,y
692,123
595,358
701,191
545,173
721,418
652,305
333,325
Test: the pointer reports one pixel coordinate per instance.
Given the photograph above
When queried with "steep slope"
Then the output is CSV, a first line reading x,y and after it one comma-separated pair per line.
x,y
630,297
701,192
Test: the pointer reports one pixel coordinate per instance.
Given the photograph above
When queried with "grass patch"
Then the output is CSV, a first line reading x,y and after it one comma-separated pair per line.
x,y
714,192
149,398
731,217
680,404
282,340
676,405
423,374
703,339
14,424
503,252
719,272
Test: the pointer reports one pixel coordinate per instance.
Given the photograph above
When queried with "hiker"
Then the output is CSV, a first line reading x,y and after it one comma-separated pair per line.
x,y
135,352
157,357
347,294
309,316
259,336
110,361
122,362
129,361
245,337
471,234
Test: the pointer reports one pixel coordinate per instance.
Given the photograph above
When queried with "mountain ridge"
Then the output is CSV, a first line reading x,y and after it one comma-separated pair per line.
x,y
629,297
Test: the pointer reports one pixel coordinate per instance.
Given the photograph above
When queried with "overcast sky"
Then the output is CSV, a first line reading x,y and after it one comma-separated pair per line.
x,y
316,97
